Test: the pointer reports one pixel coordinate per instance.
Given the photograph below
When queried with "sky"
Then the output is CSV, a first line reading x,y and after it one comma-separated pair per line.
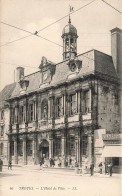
x,y
93,24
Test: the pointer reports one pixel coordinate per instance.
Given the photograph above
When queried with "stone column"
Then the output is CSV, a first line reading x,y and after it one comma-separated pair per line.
x,y
49,108
63,142
63,149
89,100
51,148
34,149
76,149
26,113
50,145
90,148
39,107
9,155
15,151
76,101
24,151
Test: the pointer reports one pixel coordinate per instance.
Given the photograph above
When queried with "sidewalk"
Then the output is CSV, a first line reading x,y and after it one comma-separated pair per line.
x,y
60,171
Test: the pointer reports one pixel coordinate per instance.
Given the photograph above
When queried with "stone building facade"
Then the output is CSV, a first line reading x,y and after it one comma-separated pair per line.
x,y
58,111
4,121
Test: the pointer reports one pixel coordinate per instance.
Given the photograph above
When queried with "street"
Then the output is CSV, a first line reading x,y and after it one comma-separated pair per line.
x,y
20,181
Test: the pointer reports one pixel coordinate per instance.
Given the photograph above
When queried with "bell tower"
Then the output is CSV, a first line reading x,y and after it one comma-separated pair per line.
x,y
69,36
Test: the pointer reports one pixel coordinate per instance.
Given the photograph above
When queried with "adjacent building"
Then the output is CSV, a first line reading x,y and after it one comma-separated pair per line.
x,y
67,110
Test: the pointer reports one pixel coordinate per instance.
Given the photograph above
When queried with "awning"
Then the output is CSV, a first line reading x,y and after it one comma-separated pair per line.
x,y
112,151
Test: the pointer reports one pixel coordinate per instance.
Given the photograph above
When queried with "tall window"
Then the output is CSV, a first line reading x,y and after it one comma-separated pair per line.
x,y
72,146
31,112
22,114
2,115
57,147
20,148
72,109
13,115
44,109
59,107
29,147
86,102
12,148
84,145
2,130
1,149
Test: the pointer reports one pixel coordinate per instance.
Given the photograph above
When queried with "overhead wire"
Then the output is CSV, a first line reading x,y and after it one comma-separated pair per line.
x,y
27,32
111,6
44,27
15,40
67,15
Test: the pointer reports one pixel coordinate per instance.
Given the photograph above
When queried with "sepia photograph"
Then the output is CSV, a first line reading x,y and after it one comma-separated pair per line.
x,y
61,97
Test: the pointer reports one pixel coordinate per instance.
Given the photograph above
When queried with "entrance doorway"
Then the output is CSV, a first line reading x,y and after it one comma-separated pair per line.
x,y
44,149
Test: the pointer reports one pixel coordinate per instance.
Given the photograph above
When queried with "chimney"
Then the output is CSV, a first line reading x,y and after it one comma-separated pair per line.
x,y
19,73
116,49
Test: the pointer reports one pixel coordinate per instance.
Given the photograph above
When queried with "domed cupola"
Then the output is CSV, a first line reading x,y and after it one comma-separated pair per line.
x,y
69,35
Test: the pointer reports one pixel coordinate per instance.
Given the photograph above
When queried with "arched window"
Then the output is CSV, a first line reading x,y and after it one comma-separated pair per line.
x,y
44,109
2,115
1,149
67,44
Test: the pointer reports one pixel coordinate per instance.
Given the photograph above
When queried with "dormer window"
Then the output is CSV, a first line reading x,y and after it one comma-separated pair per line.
x,y
24,84
75,65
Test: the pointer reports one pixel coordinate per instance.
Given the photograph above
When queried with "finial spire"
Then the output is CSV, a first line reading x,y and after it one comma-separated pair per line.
x,y
69,19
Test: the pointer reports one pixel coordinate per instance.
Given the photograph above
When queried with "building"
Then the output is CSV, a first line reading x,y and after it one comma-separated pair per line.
x,y
66,110
4,121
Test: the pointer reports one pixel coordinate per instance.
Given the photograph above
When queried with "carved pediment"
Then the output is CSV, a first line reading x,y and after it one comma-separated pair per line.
x,y
74,65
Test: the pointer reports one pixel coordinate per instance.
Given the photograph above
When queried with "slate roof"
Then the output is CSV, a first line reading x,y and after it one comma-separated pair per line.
x,y
93,62
6,93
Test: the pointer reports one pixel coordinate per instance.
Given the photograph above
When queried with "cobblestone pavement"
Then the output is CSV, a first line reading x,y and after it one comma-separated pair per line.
x,y
34,182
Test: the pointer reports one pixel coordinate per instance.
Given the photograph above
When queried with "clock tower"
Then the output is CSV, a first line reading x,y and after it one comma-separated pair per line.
x,y
69,36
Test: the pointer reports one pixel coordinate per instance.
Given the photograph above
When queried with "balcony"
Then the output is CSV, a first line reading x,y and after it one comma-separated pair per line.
x,y
87,118
59,122
45,124
73,120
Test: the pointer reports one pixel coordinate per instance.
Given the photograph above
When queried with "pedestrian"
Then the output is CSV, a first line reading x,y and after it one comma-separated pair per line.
x,y
53,162
110,168
100,166
106,168
1,165
91,169
10,165
40,163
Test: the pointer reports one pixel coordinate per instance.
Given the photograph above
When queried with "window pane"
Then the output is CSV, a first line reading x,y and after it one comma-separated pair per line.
x,y
20,148
84,145
72,104
1,149
72,146
29,147
57,147
12,148
59,107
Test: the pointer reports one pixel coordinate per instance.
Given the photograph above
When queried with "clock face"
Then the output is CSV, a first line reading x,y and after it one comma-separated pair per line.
x,y
73,67
44,76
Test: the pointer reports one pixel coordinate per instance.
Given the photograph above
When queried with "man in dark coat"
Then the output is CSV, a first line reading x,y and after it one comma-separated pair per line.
x,y
110,168
100,166
1,164
10,165
91,169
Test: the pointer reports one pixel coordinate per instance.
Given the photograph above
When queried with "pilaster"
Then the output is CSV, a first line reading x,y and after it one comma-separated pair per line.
x,y
24,150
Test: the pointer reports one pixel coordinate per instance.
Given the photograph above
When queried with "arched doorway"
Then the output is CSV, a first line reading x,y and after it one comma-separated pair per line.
x,y
44,149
